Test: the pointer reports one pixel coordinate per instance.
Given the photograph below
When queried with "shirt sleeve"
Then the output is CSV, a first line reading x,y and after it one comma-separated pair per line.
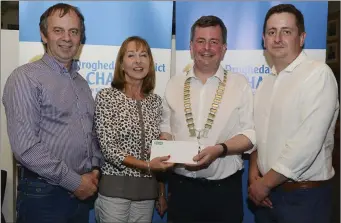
x,y
106,130
247,127
165,121
166,112
318,106
21,100
97,158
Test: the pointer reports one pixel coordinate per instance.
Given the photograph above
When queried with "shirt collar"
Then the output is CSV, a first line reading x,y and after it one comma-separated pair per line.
x,y
219,74
60,68
291,67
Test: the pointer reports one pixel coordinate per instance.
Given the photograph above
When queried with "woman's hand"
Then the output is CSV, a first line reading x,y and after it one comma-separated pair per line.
x,y
165,136
159,164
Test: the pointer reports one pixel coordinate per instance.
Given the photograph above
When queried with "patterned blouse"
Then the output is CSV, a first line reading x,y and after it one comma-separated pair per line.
x,y
126,127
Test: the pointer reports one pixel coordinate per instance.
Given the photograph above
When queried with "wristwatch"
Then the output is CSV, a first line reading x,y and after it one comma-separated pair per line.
x,y
225,149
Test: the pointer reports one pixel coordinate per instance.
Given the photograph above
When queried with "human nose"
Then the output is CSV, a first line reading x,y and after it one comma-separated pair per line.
x,y
278,37
66,36
207,45
138,59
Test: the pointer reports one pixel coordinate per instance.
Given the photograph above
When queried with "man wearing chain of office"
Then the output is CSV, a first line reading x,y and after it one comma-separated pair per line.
x,y
214,107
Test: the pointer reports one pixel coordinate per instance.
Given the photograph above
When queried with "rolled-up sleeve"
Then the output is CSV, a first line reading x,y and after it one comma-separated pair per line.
x,y
247,127
319,97
106,130
21,99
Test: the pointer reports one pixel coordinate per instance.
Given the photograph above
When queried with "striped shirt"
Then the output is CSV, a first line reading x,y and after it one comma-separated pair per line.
x,y
50,114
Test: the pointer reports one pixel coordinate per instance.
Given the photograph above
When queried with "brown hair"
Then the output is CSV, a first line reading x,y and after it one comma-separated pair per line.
x,y
207,21
63,10
119,81
288,8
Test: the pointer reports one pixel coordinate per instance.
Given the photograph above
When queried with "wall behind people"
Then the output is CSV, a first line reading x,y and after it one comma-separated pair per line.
x,y
245,54
9,61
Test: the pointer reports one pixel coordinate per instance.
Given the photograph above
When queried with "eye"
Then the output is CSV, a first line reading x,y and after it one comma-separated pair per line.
x,y
74,32
271,33
287,32
200,41
214,42
58,31
144,55
130,55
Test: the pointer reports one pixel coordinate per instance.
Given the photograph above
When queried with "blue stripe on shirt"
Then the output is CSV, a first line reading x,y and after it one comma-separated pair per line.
x,y
50,122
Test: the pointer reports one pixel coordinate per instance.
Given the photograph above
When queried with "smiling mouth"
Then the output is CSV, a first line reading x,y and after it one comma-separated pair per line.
x,y
278,47
207,55
65,47
138,69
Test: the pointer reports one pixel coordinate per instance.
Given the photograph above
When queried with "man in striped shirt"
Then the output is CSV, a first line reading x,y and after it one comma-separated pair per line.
x,y
49,109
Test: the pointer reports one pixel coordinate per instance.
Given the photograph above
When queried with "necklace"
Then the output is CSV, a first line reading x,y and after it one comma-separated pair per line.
x,y
213,110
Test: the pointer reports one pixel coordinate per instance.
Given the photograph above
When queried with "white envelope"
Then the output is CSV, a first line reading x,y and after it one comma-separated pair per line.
x,y
179,151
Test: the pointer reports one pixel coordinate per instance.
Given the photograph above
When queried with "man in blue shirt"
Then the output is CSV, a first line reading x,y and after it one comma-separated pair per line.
x,y
49,109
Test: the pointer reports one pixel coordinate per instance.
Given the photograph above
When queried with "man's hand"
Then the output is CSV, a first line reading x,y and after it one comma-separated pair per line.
x,y
95,174
253,178
161,205
260,189
206,157
88,186
259,192
254,175
266,202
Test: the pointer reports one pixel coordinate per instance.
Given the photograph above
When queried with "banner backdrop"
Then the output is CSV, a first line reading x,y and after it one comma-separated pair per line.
x,y
108,24
244,22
